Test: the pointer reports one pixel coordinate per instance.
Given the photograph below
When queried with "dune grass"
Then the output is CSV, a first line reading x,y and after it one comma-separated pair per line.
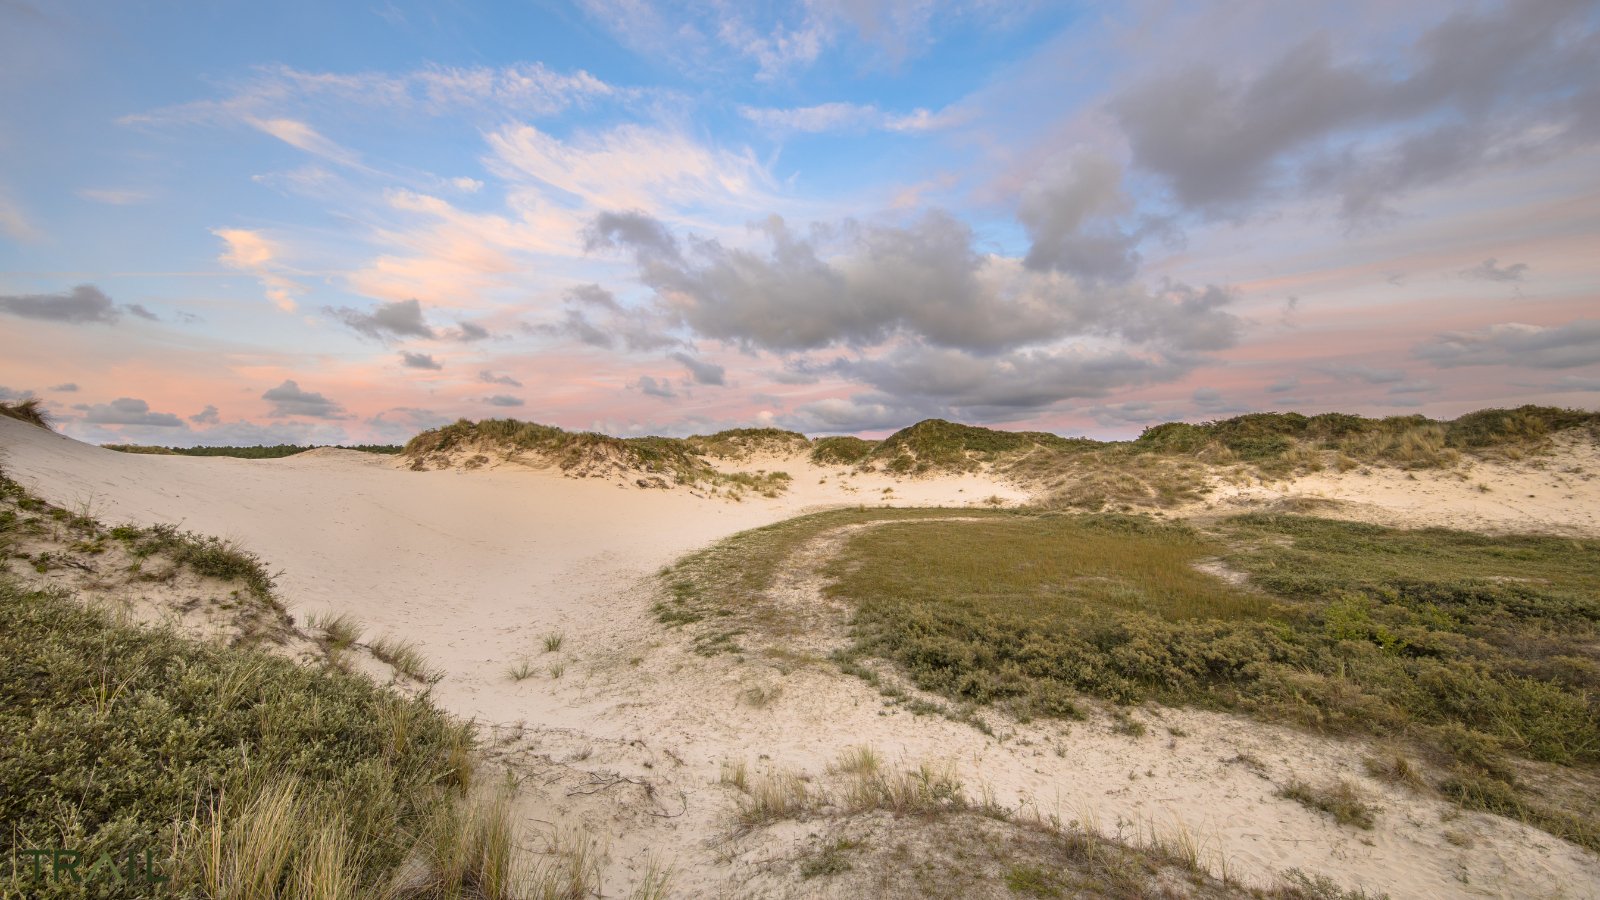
x,y
242,773
28,409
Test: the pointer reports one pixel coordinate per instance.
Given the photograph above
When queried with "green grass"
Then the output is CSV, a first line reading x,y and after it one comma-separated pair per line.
x,y
234,767
1479,652
276,451
205,555
840,451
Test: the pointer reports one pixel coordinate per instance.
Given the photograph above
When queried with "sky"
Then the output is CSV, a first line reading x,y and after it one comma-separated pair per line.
x,y
311,222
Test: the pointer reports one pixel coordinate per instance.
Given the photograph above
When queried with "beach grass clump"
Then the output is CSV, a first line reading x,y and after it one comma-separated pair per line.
x,y
28,409
241,773
203,554
1339,799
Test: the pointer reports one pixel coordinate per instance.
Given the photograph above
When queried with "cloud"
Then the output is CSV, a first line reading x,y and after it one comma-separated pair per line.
x,y
419,361
630,166
401,423
831,117
67,388
701,372
1283,385
207,416
82,305
250,251
289,400
1514,344
1412,387
503,400
129,411
467,332
1369,374
1070,215
402,318
466,185
488,377
653,388
637,329
139,311
1489,271
1575,383
1476,89
857,285
7,394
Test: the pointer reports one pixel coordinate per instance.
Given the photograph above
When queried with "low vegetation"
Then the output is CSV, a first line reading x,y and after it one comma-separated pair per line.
x,y
243,773
1480,650
29,409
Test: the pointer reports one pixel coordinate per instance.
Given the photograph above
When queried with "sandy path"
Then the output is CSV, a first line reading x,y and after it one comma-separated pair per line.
x,y
476,567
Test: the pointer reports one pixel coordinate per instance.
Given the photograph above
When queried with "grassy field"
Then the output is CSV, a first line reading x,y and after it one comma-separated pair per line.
x,y
1478,652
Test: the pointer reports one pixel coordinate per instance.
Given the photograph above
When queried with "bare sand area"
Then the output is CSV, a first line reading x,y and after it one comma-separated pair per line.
x,y
625,732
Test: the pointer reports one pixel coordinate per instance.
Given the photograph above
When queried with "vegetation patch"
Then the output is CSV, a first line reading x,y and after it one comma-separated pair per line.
x,y
1481,651
28,409
242,772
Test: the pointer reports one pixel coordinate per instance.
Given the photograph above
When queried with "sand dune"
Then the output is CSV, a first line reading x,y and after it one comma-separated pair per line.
x,y
476,566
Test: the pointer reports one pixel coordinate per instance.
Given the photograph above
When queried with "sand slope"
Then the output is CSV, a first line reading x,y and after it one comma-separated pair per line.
x,y
475,567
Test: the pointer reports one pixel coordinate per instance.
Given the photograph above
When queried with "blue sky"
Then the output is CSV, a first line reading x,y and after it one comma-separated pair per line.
x,y
235,222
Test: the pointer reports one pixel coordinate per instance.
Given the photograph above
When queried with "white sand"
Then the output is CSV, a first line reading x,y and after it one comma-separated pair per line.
x,y
475,567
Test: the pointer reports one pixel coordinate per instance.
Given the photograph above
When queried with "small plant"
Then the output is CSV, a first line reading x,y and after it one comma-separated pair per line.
x,y
558,669
553,641
522,671
761,696
1340,800
404,657
735,775
339,631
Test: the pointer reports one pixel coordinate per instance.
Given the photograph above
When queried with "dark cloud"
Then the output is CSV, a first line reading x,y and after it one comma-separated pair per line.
x,y
1283,385
1489,271
68,388
976,387
207,416
139,311
7,395
289,400
1477,89
503,400
419,361
637,329
634,231
81,305
1556,347
129,411
488,377
1070,215
837,415
467,332
402,318
925,280
654,388
401,423
702,372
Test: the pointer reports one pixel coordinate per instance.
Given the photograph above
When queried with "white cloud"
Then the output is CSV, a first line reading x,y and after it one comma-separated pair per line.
x,y
248,251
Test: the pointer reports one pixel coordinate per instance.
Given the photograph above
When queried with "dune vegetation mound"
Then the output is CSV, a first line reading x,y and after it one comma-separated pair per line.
x,y
648,462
